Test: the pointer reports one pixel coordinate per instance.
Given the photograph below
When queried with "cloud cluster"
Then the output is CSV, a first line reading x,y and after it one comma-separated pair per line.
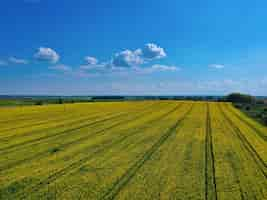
x,y
152,51
126,61
90,60
129,58
47,54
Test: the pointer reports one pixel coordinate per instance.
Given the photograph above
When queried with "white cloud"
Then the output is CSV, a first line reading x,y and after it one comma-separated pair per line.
x,y
216,66
61,67
91,60
47,54
152,51
15,60
127,58
3,63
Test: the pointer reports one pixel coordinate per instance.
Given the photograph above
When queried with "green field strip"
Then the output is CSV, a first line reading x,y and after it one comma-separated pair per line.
x,y
250,149
74,141
257,143
252,171
131,172
210,178
64,129
78,163
116,154
239,176
256,126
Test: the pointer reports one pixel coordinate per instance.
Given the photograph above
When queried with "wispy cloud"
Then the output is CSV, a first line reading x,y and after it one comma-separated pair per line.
x,y
61,68
165,67
15,60
3,63
216,66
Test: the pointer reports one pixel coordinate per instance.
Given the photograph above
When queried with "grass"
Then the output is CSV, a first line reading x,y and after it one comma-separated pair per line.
x,y
132,150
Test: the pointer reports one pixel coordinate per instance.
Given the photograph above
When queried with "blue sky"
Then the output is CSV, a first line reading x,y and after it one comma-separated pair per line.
x,y
118,47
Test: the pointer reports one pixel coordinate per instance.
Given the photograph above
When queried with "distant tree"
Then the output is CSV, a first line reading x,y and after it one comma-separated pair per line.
x,y
247,108
39,103
60,101
240,98
265,120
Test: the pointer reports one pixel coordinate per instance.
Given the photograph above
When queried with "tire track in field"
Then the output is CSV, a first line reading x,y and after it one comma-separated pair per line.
x,y
26,118
76,165
210,187
7,149
131,172
80,120
264,137
58,118
246,144
27,134
75,142
12,148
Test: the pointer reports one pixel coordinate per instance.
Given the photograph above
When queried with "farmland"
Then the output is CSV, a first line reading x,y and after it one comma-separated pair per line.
x,y
132,150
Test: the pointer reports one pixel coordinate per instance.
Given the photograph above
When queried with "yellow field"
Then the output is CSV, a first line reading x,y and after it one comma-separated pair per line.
x,y
132,150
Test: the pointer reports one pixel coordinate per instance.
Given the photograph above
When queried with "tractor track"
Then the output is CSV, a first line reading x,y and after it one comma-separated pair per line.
x,y
82,118
7,149
73,122
75,142
130,173
209,153
44,122
264,137
246,144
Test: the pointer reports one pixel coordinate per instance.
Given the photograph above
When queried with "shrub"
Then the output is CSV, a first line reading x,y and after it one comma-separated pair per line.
x,y
247,108
39,103
265,120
